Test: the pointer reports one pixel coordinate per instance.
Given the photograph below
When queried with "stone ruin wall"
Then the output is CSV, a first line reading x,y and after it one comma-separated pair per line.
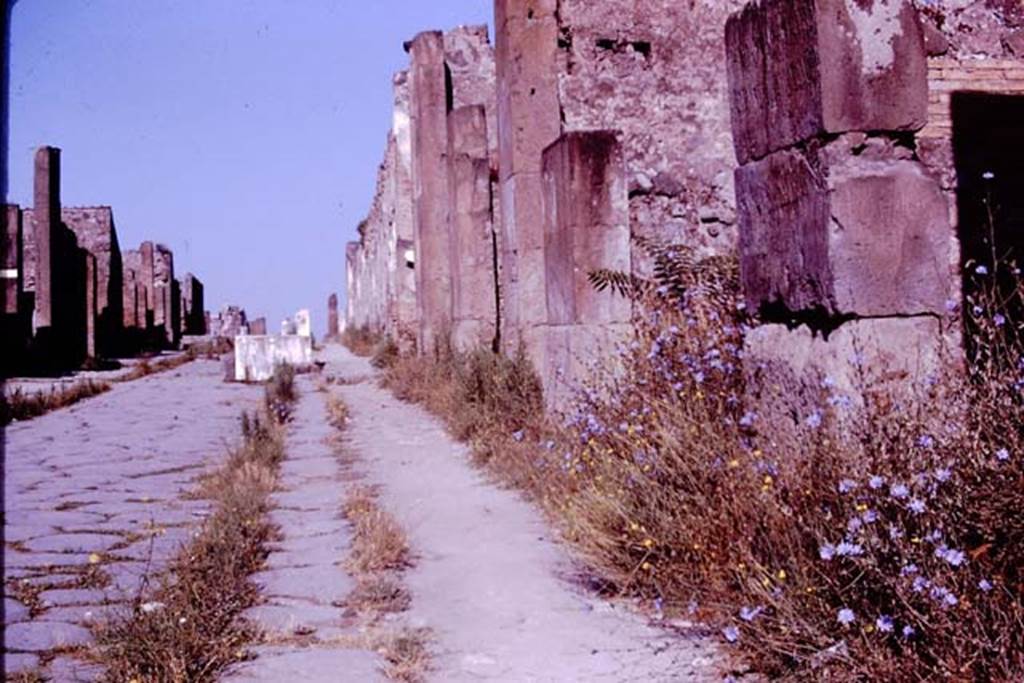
x,y
73,293
637,100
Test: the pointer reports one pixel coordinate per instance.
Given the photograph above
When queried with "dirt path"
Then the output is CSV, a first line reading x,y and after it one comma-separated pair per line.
x,y
488,580
93,496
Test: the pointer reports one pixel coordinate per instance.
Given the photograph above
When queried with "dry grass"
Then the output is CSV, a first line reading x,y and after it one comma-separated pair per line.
x,y
189,628
890,550
378,543
20,405
378,556
360,341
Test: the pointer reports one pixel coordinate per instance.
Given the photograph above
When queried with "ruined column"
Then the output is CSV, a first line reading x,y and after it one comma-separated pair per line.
x,y
91,286
528,120
194,294
351,283
585,205
332,317
95,231
47,226
11,250
163,291
845,243
148,282
428,100
472,255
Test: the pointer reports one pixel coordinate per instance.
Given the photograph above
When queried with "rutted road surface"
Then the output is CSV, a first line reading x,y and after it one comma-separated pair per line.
x,y
93,503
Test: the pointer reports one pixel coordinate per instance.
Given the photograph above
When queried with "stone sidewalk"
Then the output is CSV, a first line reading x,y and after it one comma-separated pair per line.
x,y
489,580
308,637
93,504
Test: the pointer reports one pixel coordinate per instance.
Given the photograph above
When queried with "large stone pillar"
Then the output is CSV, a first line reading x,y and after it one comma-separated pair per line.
x,y
47,220
846,250
585,206
428,99
472,255
526,43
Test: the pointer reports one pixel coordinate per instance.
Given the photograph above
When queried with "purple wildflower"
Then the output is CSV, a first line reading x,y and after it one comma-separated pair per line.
x,y
846,616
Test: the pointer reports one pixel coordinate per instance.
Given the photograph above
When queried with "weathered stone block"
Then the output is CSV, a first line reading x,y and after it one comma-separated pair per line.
x,y
566,356
332,316
799,69
474,303
47,226
96,233
586,227
843,235
91,287
257,356
791,373
429,106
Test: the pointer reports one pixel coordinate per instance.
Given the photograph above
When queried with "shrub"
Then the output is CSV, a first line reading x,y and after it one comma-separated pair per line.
x,y
385,353
881,545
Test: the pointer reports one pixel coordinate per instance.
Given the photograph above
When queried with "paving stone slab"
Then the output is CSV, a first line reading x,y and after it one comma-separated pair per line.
x,y
319,584
40,636
19,662
274,664
14,610
71,596
74,670
73,543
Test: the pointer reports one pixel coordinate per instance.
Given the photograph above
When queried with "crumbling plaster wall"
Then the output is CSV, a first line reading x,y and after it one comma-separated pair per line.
x,y
656,72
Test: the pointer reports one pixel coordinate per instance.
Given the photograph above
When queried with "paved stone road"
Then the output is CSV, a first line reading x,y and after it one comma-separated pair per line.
x,y
102,480
304,583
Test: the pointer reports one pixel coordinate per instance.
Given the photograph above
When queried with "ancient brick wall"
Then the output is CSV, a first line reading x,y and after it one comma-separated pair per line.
x,y
96,233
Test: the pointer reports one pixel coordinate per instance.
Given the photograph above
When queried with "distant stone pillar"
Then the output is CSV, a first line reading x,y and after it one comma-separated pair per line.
x,y
526,43
131,305
163,292
429,103
846,250
11,268
351,282
585,206
332,316
148,282
91,286
474,301
47,220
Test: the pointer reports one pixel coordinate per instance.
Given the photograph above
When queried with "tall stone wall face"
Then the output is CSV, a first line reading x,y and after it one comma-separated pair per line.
x,y
586,227
474,306
529,120
132,261
656,71
429,108
842,229
94,228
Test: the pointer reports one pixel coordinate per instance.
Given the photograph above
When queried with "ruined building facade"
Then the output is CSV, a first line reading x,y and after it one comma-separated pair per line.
x,y
838,148
70,293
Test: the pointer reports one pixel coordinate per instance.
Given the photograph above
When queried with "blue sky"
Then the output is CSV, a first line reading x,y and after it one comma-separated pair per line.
x,y
244,134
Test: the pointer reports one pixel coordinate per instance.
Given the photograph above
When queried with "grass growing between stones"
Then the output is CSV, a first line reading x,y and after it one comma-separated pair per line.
x,y
189,628
379,555
836,543
21,405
